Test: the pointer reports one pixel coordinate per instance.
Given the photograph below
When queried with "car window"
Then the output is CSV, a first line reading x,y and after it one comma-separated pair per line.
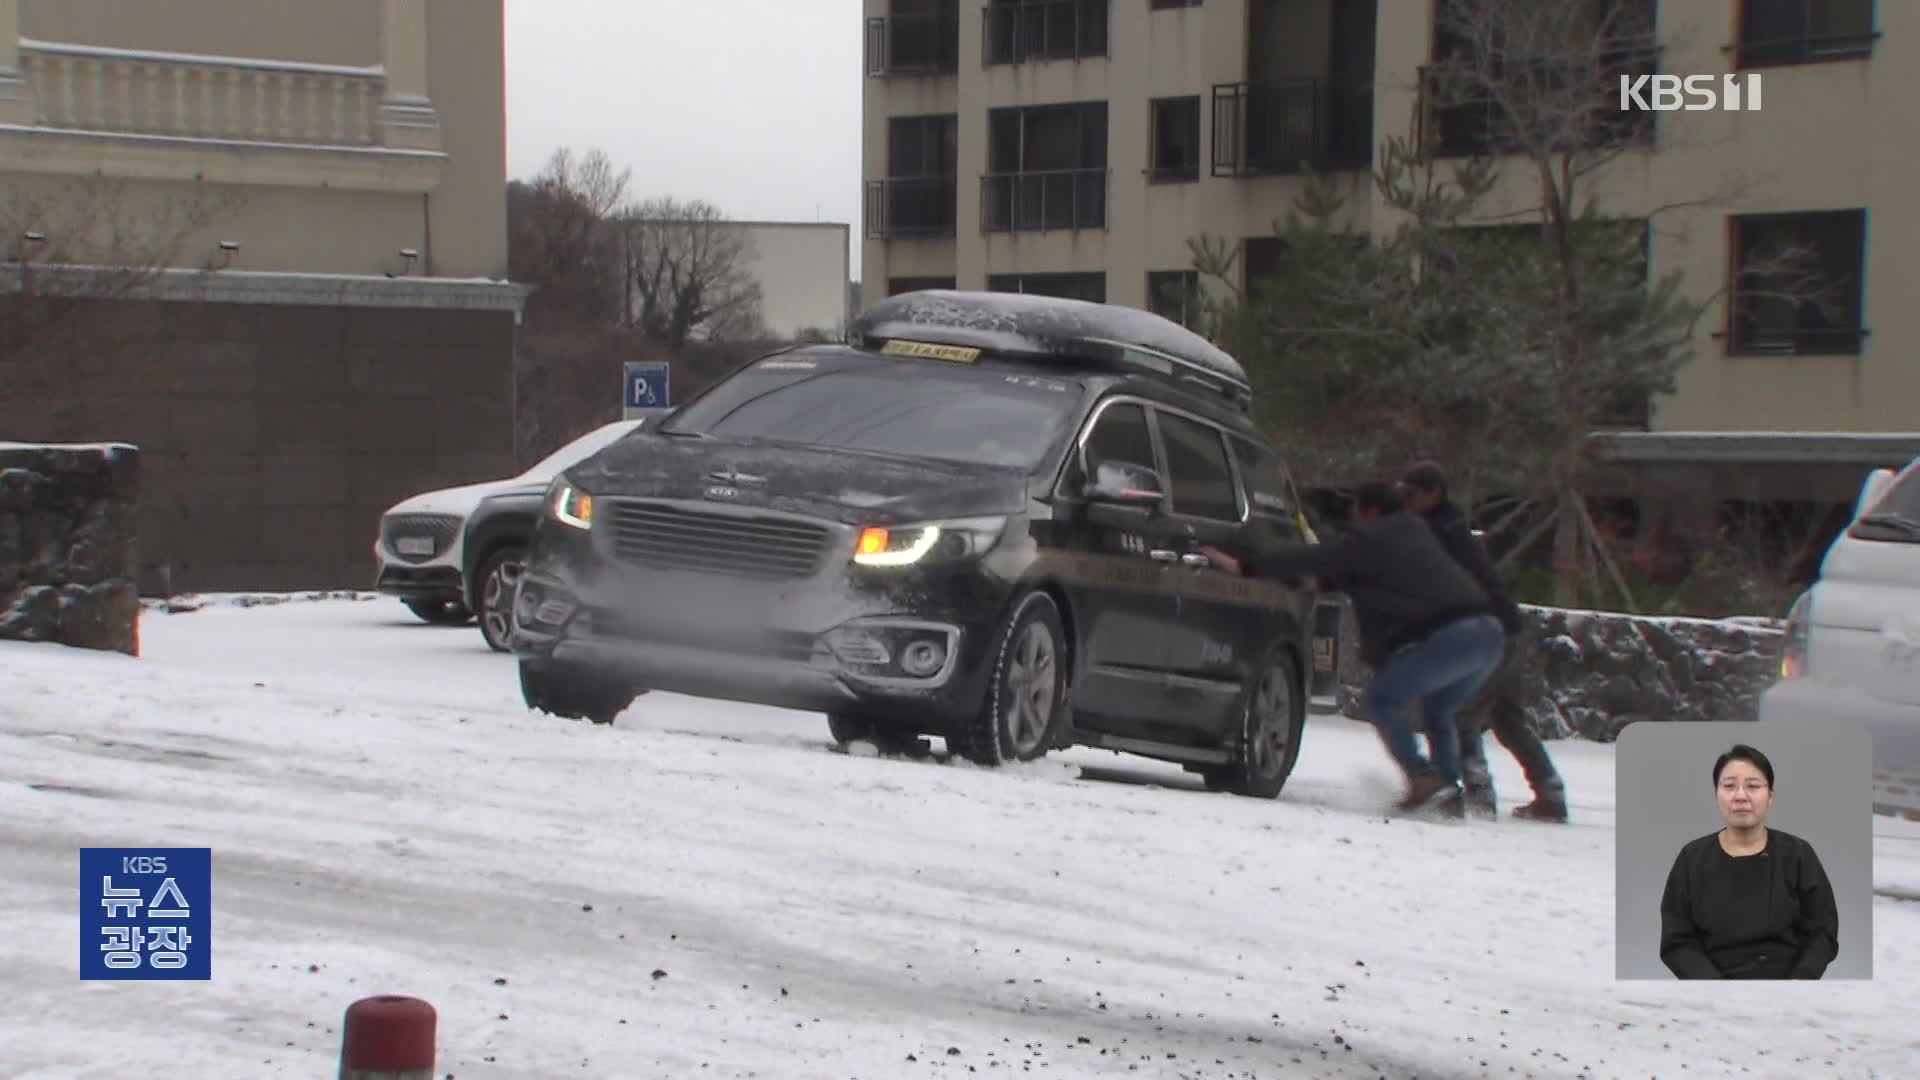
x,y
1902,499
913,408
1197,469
1269,488
1121,436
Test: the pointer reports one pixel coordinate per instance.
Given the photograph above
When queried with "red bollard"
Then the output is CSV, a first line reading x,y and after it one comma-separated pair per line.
x,y
389,1037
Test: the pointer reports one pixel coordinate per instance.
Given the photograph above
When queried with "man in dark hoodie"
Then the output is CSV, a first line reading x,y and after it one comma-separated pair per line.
x,y
1498,706
1426,628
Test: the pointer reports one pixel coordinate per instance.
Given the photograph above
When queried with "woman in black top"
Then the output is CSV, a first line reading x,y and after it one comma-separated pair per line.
x,y
1747,902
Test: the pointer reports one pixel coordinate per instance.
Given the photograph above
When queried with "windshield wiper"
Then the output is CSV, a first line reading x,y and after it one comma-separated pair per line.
x,y
1900,523
681,433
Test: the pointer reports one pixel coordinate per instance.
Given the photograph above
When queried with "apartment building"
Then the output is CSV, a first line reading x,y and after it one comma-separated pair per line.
x,y
276,231
1073,147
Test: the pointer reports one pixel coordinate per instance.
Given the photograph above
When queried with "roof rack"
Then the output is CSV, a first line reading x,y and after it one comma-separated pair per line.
x,y
1058,330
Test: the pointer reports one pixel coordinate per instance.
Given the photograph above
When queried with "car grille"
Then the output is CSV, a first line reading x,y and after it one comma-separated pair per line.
x,y
676,538
440,528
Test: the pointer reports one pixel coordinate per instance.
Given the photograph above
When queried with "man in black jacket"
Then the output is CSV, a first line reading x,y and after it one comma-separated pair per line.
x,y
1427,630
1425,486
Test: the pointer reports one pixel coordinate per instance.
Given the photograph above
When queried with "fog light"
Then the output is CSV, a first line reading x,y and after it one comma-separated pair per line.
x,y
923,658
859,647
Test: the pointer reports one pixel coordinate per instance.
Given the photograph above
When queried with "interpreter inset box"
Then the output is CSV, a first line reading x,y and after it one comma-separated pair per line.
x,y
1743,852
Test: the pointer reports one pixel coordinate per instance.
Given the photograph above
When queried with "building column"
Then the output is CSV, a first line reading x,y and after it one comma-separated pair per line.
x,y
16,97
407,114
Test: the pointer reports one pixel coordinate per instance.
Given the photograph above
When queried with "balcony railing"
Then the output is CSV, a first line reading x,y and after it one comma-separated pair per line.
x,y
1565,106
1054,200
919,44
97,89
1025,33
1285,127
911,207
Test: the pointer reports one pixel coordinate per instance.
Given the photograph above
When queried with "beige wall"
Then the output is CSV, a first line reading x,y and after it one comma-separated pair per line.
x,y
1830,136
330,136
803,269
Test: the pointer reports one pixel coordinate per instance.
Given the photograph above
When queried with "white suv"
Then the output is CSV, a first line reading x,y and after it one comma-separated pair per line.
x,y
1853,640
417,553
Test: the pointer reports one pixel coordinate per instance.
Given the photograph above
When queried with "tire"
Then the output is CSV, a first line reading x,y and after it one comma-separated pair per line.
x,y
1273,719
439,612
1026,704
499,583
572,693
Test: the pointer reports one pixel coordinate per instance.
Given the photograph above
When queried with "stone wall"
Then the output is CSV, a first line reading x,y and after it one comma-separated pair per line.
x,y
68,527
1590,674
278,415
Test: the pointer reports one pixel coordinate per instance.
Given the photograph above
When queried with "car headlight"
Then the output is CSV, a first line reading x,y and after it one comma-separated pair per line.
x,y
568,505
907,545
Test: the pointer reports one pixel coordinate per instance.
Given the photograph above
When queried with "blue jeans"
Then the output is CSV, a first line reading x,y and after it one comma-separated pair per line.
x,y
1442,673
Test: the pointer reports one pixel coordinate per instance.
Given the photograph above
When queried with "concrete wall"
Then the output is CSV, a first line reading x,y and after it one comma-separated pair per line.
x,y
68,545
803,269
274,432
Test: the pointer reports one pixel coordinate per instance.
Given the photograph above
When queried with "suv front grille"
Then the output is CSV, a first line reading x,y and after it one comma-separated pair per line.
x,y
676,538
438,528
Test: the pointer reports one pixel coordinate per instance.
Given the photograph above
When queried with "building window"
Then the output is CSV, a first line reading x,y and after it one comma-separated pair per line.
x,y
1260,261
1046,168
1175,294
1088,286
1775,33
920,192
1028,31
1168,5
898,285
1811,294
1176,139
917,37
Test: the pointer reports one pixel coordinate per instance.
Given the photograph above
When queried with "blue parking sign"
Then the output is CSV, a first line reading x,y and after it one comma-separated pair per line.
x,y
146,914
647,386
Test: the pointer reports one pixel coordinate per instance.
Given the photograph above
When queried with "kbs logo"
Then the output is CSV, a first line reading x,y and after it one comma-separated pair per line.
x,y
1691,93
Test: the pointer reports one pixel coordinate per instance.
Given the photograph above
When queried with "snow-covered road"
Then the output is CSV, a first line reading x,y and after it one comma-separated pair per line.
x,y
705,890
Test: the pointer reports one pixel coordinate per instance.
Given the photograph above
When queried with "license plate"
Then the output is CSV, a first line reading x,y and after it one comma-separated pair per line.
x,y
414,545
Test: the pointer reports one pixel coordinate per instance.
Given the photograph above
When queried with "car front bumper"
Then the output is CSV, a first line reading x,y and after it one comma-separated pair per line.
x,y
420,582
1894,728
890,643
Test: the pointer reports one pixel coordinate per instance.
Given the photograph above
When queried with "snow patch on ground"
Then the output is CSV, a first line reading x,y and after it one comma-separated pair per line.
x,y
386,817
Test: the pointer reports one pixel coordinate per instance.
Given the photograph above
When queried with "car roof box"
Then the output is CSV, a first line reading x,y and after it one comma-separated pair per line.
x,y
1058,331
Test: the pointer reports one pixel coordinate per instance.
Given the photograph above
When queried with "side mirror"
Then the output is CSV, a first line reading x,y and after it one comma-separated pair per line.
x,y
1127,486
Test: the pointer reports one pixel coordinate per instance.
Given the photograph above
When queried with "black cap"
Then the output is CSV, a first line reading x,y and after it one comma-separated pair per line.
x,y
1425,476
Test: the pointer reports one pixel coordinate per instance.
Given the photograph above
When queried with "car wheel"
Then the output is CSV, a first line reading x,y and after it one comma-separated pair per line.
x,y
572,693
499,584
1026,700
439,612
1273,718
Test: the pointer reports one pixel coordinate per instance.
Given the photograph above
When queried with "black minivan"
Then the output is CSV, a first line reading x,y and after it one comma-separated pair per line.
x,y
978,519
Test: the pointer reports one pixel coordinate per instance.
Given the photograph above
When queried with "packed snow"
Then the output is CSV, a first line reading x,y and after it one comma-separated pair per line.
x,y
705,890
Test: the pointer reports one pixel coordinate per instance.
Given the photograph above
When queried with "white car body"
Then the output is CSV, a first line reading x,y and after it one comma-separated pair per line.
x,y
1853,640
417,550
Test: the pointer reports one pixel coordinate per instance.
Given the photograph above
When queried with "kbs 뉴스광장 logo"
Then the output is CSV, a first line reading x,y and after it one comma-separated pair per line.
x,y
146,914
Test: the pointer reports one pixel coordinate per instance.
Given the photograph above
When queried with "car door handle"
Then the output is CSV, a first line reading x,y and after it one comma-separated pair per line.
x,y
1163,555
1195,560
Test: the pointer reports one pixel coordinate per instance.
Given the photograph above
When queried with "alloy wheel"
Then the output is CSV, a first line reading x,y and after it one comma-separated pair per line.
x,y
1032,688
496,598
1270,723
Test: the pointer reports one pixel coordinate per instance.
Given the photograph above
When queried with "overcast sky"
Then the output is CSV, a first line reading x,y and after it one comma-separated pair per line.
x,y
752,105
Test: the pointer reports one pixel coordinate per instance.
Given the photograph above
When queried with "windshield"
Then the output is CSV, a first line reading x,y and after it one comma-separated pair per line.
x,y
1896,516
580,449
914,408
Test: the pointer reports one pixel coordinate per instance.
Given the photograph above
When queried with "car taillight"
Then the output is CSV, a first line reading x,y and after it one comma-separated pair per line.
x,y
1793,652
